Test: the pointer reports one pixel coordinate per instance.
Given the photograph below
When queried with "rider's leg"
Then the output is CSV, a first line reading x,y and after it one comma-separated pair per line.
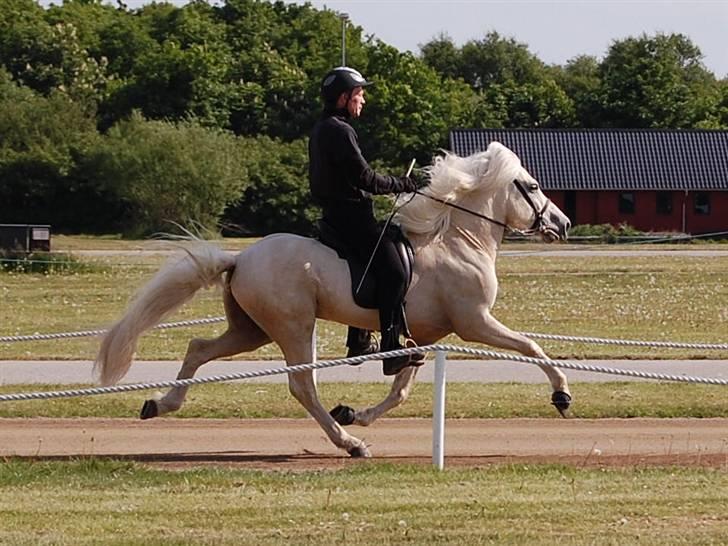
x,y
391,285
360,342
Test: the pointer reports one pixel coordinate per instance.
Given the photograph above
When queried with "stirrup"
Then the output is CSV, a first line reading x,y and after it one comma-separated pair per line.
x,y
394,365
416,359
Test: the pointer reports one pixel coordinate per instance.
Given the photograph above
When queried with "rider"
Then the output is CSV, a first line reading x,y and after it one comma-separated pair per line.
x,y
341,182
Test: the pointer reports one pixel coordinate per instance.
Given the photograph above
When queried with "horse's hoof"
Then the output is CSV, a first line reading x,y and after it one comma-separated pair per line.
x,y
359,452
149,410
561,401
344,415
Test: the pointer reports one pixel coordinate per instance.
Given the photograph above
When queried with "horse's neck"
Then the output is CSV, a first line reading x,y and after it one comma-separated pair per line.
x,y
469,229
475,240
476,231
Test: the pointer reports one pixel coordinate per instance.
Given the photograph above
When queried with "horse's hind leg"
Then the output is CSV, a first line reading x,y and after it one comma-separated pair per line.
x,y
242,335
401,387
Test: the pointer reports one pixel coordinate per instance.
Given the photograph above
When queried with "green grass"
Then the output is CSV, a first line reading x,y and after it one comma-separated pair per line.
x,y
464,400
109,502
676,298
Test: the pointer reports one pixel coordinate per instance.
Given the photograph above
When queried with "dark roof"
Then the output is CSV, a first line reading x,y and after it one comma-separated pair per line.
x,y
611,159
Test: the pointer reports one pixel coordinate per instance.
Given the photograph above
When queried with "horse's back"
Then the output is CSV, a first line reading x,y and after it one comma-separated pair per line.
x,y
283,250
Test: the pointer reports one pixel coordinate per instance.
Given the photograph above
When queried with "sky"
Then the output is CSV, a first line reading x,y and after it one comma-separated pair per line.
x,y
555,31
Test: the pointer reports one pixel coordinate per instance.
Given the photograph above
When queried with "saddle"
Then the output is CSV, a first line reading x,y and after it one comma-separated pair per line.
x,y
366,297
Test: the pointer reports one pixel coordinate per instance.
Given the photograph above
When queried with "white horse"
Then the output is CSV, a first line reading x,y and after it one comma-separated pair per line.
x,y
275,289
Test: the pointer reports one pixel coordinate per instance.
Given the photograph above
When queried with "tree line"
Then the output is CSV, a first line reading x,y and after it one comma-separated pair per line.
x,y
124,120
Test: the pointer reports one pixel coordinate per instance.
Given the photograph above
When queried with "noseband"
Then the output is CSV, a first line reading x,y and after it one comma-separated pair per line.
x,y
538,222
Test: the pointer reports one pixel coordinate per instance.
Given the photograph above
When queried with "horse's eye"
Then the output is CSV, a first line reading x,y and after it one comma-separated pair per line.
x,y
533,186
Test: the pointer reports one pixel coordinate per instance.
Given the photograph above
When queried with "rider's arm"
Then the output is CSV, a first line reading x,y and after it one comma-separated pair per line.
x,y
361,175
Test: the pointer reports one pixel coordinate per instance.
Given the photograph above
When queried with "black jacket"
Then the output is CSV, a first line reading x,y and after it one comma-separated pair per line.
x,y
340,178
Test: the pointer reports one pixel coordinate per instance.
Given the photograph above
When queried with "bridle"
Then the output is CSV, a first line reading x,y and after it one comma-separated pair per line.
x,y
538,225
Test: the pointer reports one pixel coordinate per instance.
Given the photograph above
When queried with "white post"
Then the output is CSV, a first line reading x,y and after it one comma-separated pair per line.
x,y
438,412
314,355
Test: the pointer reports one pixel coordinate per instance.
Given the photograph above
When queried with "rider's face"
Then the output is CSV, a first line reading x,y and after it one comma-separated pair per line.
x,y
356,102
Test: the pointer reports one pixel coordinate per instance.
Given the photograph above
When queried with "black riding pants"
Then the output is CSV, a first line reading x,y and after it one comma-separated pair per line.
x,y
386,267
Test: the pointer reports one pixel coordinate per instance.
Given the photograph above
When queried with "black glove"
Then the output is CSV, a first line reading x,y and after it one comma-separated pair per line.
x,y
422,180
409,184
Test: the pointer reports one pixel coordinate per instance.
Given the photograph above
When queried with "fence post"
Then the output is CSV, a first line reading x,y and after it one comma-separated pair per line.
x,y
438,411
314,351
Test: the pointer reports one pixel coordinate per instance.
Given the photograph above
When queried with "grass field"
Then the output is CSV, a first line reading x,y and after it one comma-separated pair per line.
x,y
640,297
107,502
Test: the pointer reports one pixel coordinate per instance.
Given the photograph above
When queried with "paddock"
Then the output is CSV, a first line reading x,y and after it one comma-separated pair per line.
x,y
252,448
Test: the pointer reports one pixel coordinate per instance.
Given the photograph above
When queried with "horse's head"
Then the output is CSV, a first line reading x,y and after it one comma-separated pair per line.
x,y
491,187
526,207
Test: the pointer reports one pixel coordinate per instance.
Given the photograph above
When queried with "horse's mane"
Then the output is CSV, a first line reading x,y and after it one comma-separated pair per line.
x,y
452,177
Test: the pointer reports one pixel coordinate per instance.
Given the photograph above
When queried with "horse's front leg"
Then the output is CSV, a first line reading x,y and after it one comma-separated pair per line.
x,y
401,387
484,328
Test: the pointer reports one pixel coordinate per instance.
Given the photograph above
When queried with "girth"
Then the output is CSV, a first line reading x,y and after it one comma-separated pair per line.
x,y
366,297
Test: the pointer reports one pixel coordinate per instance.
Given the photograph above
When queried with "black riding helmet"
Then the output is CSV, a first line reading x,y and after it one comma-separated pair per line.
x,y
340,80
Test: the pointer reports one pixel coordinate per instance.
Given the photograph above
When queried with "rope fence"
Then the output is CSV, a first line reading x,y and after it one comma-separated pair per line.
x,y
532,335
491,355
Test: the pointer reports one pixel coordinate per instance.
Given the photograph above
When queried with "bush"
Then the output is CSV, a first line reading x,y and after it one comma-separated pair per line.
x,y
607,233
167,173
277,197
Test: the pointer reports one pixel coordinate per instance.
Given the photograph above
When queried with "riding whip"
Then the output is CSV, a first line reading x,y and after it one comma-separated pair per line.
x,y
384,229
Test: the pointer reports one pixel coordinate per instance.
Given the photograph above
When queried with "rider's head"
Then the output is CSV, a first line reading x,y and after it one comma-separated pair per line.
x,y
343,88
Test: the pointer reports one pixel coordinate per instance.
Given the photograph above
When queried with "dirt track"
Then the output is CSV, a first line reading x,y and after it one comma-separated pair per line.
x,y
300,444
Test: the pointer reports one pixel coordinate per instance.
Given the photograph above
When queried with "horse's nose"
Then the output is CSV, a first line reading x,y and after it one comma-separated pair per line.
x,y
567,227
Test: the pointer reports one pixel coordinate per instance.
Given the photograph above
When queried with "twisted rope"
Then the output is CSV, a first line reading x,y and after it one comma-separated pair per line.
x,y
88,333
576,366
351,361
637,343
199,380
533,335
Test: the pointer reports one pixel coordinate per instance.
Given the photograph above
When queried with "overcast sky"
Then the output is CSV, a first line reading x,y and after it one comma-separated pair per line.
x,y
555,31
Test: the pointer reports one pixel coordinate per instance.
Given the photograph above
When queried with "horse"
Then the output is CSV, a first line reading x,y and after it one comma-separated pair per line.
x,y
274,290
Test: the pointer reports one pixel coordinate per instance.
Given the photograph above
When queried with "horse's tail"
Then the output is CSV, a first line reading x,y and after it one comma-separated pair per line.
x,y
172,286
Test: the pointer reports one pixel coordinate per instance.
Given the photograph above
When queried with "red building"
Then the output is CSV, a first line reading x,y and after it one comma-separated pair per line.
x,y
653,180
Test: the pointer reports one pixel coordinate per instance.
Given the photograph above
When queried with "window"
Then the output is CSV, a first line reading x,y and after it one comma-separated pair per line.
x,y
701,201
626,202
664,202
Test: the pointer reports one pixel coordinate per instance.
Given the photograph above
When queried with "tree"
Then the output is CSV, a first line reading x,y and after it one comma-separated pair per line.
x,y
42,140
498,60
443,56
51,56
580,79
410,109
515,89
532,105
657,82
277,197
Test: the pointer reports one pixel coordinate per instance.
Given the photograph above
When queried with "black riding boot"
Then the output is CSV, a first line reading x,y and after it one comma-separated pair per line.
x,y
391,330
390,342
360,342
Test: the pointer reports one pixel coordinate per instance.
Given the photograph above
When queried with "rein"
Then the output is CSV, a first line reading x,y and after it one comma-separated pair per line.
x,y
536,227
